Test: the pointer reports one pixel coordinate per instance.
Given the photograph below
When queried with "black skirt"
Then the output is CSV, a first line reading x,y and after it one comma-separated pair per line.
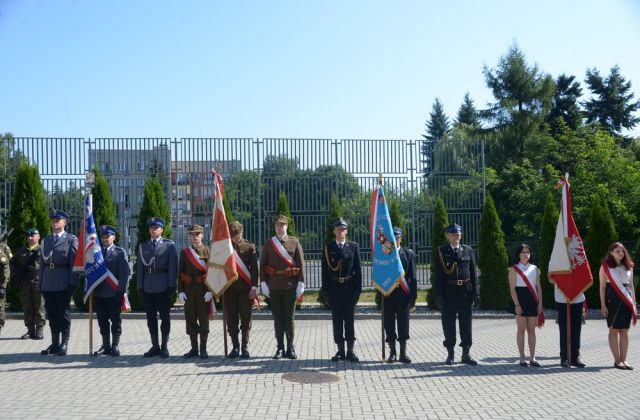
x,y
620,315
528,304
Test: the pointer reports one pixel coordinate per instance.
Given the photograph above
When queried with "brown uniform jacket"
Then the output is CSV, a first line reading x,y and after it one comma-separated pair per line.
x,y
247,252
271,259
189,276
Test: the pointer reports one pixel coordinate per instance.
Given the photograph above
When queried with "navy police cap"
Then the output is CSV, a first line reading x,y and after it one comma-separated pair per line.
x,y
397,231
340,223
58,214
108,230
155,221
454,228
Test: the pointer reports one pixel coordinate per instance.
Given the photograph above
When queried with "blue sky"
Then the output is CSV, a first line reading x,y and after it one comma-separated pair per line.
x,y
312,69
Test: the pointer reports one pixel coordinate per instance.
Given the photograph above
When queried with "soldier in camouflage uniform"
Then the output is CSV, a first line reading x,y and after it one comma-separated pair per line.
x,y
25,268
5,256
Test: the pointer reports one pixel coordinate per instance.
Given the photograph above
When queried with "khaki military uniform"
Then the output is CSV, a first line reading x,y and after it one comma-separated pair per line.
x,y
25,266
191,281
236,297
5,272
282,281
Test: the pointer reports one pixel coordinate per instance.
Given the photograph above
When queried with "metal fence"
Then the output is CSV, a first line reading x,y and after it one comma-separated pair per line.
x,y
256,170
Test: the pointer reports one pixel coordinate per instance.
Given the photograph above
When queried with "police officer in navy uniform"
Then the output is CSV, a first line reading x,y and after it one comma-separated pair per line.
x,y
108,302
458,292
341,286
58,281
397,304
157,275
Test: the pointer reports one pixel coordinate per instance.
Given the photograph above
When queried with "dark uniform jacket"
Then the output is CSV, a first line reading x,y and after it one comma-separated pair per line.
x,y
271,260
157,268
456,273
116,260
56,263
341,269
247,252
192,279
408,260
25,265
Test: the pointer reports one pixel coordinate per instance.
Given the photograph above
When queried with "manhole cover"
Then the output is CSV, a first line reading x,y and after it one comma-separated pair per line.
x,y
310,377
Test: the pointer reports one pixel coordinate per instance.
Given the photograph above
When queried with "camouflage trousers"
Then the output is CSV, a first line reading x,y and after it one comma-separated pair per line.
x,y
32,304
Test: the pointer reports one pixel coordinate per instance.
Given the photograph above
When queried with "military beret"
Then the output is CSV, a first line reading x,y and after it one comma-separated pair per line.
x,y
58,214
397,231
196,228
340,223
281,218
108,230
155,221
454,228
32,231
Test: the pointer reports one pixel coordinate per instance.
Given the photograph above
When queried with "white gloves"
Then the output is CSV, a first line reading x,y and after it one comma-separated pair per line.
x,y
299,290
182,296
264,288
253,293
208,296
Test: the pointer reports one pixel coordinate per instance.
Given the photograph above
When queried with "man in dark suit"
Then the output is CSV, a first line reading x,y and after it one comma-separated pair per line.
x,y
455,272
397,304
58,281
108,300
157,275
341,286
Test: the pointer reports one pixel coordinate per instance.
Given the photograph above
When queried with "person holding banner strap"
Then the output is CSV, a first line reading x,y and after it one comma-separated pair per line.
x,y
524,278
157,271
238,296
617,301
458,292
193,291
342,285
58,281
108,302
398,303
282,280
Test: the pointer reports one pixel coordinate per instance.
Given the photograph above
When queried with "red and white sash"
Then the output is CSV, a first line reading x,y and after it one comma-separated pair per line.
x,y
532,291
195,259
243,271
282,253
621,291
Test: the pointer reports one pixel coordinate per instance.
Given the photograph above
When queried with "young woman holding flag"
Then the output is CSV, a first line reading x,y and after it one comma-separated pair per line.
x,y
617,301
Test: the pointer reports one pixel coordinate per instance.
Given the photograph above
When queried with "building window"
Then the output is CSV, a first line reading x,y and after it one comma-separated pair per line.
x,y
140,166
123,166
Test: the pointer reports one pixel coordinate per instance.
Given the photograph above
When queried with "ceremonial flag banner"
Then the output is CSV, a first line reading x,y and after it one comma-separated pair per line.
x,y
387,270
568,266
222,270
89,259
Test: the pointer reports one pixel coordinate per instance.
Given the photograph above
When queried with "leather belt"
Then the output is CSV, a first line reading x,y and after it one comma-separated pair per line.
x,y
150,270
459,282
52,265
342,279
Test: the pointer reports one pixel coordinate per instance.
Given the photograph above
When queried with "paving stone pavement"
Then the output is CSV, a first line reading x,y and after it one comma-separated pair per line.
x,y
80,386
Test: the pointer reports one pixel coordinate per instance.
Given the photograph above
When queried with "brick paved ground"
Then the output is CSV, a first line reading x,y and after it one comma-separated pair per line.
x,y
80,386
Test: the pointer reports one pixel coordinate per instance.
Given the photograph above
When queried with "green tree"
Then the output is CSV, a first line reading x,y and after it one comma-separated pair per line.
x,y
438,127
336,213
283,208
397,219
28,209
601,234
154,204
492,259
565,103
611,104
438,239
523,96
547,237
467,113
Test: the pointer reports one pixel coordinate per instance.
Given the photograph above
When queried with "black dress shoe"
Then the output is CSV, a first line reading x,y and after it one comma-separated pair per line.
x,y
450,356
564,364
534,364
191,353
235,352
338,356
351,356
524,364
291,353
28,334
279,354
63,349
50,350
245,353
153,351
619,366
204,354
628,367
578,363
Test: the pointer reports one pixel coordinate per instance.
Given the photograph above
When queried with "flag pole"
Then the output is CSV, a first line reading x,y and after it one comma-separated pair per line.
x,y
224,328
213,224
569,333
91,324
382,325
90,182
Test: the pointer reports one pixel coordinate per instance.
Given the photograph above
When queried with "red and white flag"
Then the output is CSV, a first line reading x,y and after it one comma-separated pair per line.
x,y
568,266
222,265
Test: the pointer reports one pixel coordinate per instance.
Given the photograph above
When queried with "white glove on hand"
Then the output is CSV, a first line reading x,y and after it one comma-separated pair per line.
x,y
253,293
299,290
182,296
208,296
264,288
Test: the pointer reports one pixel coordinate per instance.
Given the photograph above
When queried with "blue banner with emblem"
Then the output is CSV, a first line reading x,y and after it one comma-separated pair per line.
x,y
89,259
387,272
